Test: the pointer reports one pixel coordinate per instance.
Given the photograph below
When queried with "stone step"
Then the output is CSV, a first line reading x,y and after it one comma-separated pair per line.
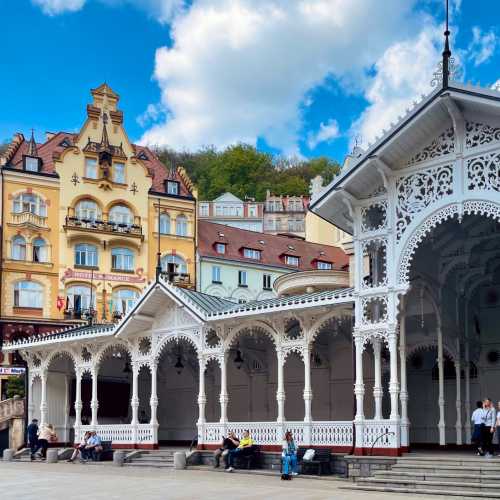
x,y
161,465
430,476
427,491
153,459
472,461
465,488
484,468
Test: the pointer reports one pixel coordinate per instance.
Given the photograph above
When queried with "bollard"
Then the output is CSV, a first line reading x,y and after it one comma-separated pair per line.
x,y
8,455
179,460
118,458
52,455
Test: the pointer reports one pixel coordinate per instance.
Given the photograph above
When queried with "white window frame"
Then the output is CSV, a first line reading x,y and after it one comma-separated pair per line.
x,y
91,168
40,251
123,300
219,247
31,164
170,187
122,259
28,294
242,278
89,253
121,214
216,274
87,209
18,247
119,173
204,210
165,223
292,260
31,203
321,264
181,225
251,253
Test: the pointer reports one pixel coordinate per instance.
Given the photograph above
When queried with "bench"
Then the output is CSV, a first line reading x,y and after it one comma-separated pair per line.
x,y
106,454
248,459
320,463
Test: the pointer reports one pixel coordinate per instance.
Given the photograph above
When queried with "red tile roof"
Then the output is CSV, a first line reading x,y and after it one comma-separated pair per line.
x,y
51,149
273,248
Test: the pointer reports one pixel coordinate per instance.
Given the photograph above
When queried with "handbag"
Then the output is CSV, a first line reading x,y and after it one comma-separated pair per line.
x,y
308,455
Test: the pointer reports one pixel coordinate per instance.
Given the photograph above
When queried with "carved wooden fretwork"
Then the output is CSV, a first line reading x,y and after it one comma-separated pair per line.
x,y
483,172
443,144
478,134
417,191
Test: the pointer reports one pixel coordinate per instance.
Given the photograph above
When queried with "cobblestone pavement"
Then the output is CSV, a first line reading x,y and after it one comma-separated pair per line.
x,y
63,481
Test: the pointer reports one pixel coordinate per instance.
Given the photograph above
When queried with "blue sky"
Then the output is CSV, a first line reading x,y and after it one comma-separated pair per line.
x,y
297,77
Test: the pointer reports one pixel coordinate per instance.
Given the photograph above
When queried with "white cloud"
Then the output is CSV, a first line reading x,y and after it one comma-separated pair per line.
x,y
403,73
162,10
327,132
239,70
55,7
482,46
152,114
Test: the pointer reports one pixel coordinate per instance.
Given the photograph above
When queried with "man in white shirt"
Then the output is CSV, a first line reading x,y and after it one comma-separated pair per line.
x,y
478,422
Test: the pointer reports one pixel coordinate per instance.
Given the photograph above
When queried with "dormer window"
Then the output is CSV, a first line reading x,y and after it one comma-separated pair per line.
x,y
220,248
173,187
250,253
65,143
321,264
142,156
291,260
31,164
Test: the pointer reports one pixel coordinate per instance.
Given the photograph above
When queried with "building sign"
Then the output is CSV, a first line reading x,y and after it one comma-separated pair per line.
x,y
12,370
88,275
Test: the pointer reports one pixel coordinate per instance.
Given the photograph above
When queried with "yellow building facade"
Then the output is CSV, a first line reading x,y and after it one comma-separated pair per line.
x,y
81,215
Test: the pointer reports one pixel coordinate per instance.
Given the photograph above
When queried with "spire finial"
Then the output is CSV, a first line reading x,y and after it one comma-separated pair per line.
x,y
446,51
32,149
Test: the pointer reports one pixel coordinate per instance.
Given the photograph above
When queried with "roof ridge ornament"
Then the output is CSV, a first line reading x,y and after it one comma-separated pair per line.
x,y
32,148
447,69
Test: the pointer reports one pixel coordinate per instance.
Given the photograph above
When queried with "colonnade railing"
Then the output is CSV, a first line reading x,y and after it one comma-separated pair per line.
x,y
129,434
329,433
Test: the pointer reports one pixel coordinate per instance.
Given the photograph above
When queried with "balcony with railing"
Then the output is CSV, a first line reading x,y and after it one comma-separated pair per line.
x,y
103,225
179,279
28,219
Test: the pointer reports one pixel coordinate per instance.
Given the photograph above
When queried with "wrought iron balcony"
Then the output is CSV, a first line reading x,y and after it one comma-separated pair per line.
x,y
104,225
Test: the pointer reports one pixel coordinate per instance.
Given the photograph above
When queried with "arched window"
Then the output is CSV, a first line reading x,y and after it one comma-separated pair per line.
x,y
28,294
79,298
123,300
122,259
18,249
181,226
173,264
29,202
86,255
121,214
87,210
164,224
40,253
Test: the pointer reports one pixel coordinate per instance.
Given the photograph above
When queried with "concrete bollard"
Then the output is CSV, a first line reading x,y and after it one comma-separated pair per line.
x,y
179,460
118,458
8,455
52,455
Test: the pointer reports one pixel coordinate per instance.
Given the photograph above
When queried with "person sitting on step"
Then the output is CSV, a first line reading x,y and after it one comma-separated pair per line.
x,y
229,443
79,449
93,447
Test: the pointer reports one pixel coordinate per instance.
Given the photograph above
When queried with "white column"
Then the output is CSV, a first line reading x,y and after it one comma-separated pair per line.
x,y
307,384
403,393
280,392
359,386
31,406
223,397
153,400
377,386
43,399
458,401
468,437
441,424
393,382
202,397
66,408
94,403
134,402
78,402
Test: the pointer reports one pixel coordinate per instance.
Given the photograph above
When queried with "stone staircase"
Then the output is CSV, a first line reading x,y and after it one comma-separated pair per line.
x,y
162,458
462,476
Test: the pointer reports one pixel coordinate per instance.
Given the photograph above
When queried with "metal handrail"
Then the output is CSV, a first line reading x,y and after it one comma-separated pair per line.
x,y
387,433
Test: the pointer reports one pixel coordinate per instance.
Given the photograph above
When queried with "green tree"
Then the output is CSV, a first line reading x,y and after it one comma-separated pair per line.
x,y
15,386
